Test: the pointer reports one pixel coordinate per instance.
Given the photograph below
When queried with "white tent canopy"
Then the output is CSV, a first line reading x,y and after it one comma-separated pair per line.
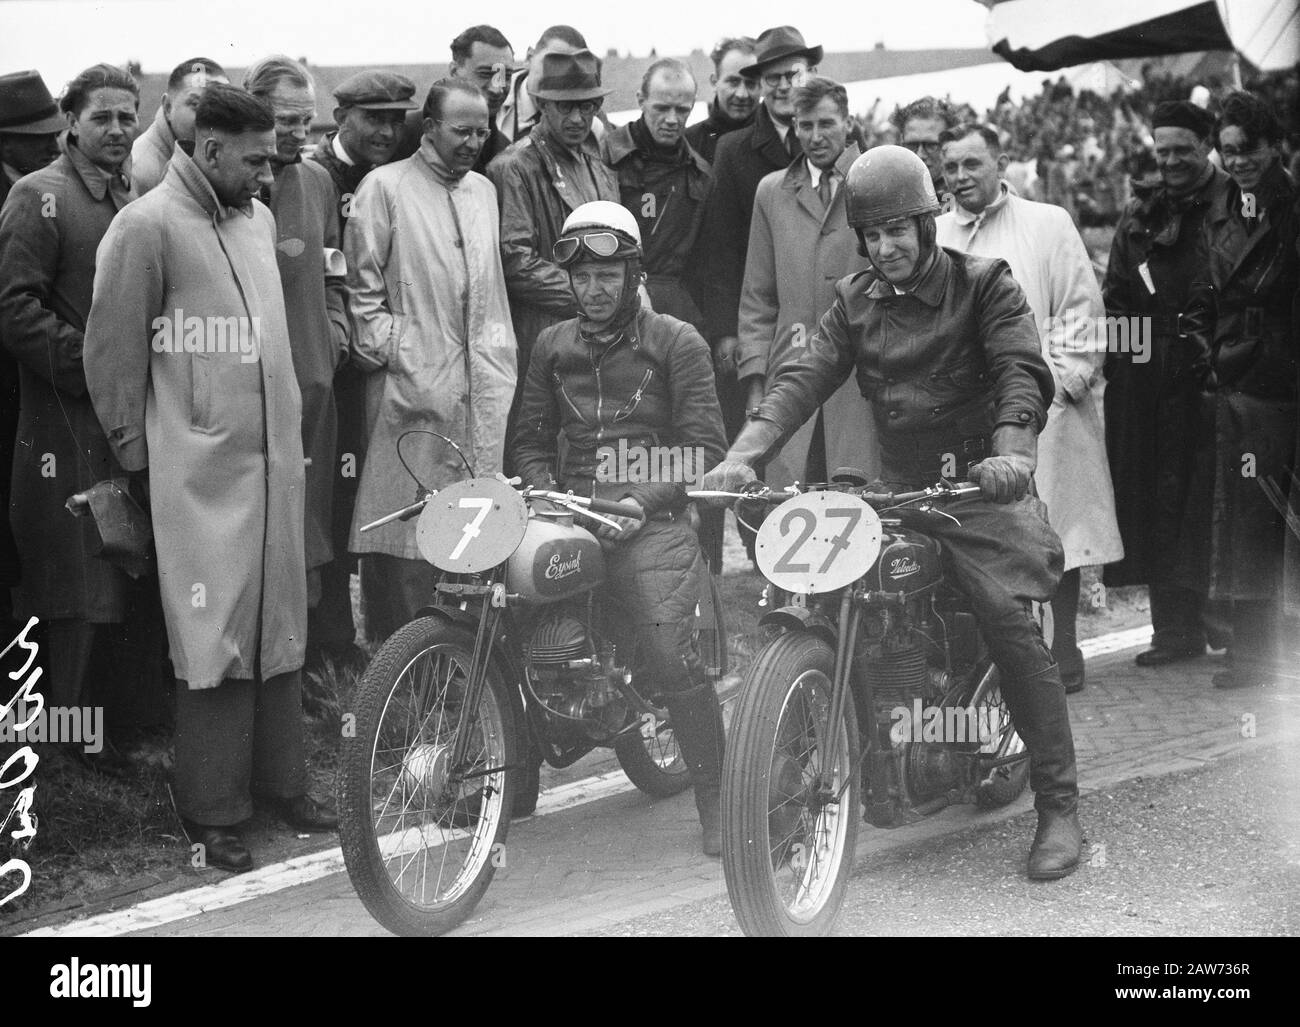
x,y
1049,34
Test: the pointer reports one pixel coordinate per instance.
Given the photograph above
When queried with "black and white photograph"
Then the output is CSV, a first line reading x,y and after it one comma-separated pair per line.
x,y
590,470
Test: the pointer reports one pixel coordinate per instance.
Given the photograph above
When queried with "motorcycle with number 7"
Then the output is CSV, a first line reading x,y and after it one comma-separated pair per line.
x,y
513,662
874,697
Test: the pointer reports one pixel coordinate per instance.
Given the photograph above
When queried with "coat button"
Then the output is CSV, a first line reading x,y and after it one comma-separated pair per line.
x,y
893,413
936,411
934,376
459,242
1024,417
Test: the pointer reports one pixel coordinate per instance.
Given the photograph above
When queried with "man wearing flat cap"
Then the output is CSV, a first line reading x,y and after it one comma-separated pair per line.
x,y
30,124
1158,254
540,181
744,157
370,113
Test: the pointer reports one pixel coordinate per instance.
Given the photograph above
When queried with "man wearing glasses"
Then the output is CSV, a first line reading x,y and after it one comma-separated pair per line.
x,y
432,331
540,181
919,126
484,56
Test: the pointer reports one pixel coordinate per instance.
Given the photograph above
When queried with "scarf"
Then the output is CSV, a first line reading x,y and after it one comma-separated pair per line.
x,y
651,152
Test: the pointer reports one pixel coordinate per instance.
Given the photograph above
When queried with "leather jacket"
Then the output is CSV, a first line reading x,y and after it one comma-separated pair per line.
x,y
651,387
942,364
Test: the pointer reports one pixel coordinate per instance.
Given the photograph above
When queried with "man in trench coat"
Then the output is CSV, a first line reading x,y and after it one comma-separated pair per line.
x,y
188,363
1049,260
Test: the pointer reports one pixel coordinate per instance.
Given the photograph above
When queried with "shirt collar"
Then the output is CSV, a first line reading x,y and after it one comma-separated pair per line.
x,y
197,185
341,153
965,218
99,183
929,290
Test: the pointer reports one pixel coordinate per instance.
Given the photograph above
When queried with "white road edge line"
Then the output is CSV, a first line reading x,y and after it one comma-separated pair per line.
x,y
305,869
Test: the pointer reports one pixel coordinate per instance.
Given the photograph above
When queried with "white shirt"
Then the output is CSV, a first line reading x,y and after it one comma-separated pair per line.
x,y
815,177
341,153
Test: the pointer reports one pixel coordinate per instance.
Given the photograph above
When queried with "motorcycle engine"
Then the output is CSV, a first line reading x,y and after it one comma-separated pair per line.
x,y
573,674
906,685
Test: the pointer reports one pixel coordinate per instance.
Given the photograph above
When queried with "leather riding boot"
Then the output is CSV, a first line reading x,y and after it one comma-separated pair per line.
x,y
697,726
1038,707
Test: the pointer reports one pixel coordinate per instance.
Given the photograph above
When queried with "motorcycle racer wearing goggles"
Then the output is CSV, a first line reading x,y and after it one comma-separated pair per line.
x,y
602,233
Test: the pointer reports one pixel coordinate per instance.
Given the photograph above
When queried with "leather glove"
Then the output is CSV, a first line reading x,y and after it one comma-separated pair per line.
x,y
728,476
628,526
736,470
1007,475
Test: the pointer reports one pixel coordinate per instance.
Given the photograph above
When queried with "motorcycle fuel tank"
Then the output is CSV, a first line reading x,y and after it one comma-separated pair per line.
x,y
556,559
908,562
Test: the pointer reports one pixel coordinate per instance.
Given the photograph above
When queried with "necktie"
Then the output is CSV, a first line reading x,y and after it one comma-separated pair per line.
x,y
792,146
824,189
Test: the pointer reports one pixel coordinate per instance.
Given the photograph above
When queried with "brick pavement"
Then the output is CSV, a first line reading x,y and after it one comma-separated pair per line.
x,y
626,855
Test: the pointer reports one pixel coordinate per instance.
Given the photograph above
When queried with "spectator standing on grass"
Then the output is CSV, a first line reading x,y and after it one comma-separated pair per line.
x,y
174,121
433,332
30,124
50,226
735,96
1232,534
1157,254
214,431
308,252
372,107
1050,262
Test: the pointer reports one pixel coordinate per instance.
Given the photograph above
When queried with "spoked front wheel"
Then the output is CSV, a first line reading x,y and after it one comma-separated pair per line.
x,y
789,817
652,759
423,830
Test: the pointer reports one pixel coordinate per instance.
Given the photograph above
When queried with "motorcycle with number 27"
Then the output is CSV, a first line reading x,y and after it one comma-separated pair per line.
x,y
513,662
873,698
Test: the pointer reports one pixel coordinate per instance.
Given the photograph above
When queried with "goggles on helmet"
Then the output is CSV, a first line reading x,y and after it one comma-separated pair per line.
x,y
601,244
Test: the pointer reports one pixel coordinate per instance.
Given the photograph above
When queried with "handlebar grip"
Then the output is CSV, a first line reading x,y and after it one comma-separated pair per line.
x,y
608,506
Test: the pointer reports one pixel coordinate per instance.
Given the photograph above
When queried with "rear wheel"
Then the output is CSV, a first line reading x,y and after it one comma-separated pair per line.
x,y
422,836
789,818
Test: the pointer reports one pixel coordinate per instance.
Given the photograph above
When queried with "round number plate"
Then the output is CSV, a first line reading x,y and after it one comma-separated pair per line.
x,y
818,542
472,525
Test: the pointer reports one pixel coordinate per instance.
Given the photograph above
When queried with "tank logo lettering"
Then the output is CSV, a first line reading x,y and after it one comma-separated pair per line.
x,y
562,568
902,567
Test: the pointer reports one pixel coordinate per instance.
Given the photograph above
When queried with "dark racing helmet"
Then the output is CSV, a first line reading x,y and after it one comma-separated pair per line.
x,y
887,183
890,183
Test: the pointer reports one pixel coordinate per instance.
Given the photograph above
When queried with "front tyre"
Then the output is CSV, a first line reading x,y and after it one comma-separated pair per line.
x,y
652,760
789,819
422,834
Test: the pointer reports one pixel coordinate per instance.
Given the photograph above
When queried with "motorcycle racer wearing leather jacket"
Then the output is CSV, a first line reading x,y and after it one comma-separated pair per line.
x,y
621,381
946,351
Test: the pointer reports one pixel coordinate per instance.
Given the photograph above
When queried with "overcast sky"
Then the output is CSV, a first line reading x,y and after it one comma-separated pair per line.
x,y
60,37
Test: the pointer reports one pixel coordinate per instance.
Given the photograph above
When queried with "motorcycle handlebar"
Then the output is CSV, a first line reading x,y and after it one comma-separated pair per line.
x,y
882,499
605,506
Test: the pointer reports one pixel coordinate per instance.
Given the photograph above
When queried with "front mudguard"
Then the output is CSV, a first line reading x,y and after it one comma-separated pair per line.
x,y
795,618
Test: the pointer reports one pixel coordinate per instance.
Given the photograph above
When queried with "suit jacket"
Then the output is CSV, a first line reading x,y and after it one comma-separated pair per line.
x,y
744,157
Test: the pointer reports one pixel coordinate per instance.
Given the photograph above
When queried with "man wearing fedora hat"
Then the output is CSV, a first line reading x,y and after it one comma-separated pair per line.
x,y
541,180
743,158
30,124
174,121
